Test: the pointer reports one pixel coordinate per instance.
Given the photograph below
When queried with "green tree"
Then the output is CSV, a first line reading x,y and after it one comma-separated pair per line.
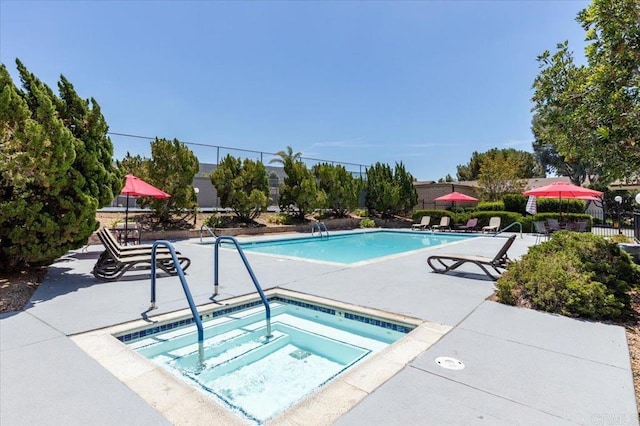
x,y
242,186
299,193
172,167
286,155
389,192
52,179
527,165
592,112
447,178
575,168
340,186
499,176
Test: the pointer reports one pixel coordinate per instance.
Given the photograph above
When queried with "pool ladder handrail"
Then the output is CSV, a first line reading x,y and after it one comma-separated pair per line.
x,y
185,287
265,302
321,227
510,226
211,232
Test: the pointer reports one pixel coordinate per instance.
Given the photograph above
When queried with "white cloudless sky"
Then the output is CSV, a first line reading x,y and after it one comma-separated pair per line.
x,y
422,82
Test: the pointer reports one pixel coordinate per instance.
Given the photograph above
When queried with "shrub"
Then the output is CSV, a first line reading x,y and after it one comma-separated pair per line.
x,y
491,206
280,219
367,223
214,221
573,274
360,212
515,203
552,205
620,238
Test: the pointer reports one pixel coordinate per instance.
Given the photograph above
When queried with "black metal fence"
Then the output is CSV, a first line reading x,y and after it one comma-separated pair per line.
x,y
608,224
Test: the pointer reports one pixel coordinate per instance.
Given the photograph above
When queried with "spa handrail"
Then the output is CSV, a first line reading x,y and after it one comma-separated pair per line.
x,y
213,234
183,280
507,227
265,302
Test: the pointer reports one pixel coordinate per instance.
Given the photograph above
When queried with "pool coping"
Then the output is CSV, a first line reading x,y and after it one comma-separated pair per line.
x,y
183,404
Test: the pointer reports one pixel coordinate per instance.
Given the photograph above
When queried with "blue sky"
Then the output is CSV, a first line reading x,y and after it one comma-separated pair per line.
x,y
426,83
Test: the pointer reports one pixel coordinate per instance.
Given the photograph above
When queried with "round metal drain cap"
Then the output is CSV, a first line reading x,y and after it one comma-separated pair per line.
x,y
449,363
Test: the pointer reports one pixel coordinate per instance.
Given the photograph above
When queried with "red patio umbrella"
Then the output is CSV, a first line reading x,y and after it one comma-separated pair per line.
x,y
138,188
455,196
562,189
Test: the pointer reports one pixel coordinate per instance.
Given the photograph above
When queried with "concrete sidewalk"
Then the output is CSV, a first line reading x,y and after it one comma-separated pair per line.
x,y
521,366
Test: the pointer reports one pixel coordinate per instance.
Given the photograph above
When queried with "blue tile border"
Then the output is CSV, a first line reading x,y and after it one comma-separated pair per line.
x,y
130,337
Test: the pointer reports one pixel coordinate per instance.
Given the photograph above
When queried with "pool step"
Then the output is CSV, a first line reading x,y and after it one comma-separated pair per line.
x,y
235,357
178,343
215,354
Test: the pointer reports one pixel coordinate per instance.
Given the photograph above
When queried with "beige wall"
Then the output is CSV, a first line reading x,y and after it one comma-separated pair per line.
x,y
429,191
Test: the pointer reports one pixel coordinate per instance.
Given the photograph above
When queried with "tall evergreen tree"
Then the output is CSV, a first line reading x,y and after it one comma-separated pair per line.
x,y
172,167
389,192
49,194
242,186
299,193
340,186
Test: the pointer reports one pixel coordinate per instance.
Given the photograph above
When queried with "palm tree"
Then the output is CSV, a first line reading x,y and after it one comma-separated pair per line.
x,y
286,155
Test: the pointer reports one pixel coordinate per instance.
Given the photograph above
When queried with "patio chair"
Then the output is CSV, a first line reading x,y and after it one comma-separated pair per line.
x,y
472,225
449,262
553,225
424,223
494,225
541,231
445,223
583,225
114,262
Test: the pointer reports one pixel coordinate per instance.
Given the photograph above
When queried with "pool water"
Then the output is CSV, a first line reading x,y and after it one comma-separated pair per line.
x,y
259,377
352,248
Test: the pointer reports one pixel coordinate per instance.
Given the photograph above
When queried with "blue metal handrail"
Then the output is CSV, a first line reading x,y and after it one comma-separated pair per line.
x,y
246,264
507,227
185,287
213,234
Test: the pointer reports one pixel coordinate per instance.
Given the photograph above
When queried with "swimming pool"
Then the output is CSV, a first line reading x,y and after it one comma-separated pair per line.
x,y
290,378
352,248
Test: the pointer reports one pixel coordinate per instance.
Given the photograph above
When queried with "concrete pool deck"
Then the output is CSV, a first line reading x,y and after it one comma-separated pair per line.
x,y
521,366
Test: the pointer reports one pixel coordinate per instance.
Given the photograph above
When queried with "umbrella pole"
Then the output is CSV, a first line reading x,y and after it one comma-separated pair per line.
x,y
126,221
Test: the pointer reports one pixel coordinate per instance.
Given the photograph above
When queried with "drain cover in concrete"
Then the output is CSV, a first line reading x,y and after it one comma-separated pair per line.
x,y
449,363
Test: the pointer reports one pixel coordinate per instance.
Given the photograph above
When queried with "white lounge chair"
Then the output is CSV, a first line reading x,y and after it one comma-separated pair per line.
x,y
445,223
424,223
494,225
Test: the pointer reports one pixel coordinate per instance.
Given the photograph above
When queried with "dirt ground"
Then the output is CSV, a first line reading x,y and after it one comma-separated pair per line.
x,y
16,290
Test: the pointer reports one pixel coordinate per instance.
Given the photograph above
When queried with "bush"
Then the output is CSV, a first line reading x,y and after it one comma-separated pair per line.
x,y
552,205
360,212
367,223
280,219
573,274
214,221
491,206
515,203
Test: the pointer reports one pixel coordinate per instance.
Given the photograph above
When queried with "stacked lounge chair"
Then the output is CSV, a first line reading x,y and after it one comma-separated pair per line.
x,y
116,259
